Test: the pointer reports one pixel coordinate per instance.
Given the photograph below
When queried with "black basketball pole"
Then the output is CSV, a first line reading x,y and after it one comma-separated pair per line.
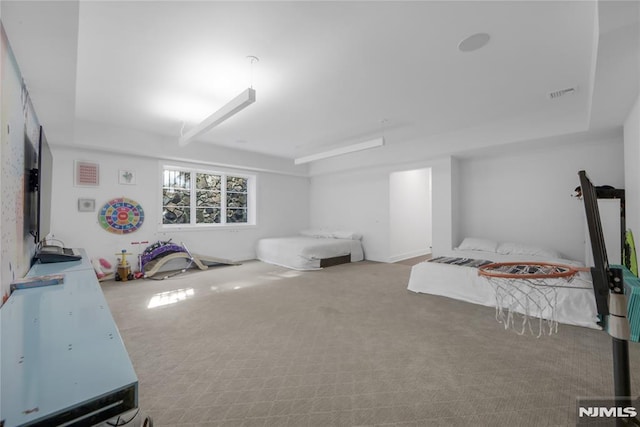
x,y
611,302
618,328
622,385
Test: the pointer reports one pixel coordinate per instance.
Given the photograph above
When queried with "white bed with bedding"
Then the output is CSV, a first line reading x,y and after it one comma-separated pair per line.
x,y
573,306
311,250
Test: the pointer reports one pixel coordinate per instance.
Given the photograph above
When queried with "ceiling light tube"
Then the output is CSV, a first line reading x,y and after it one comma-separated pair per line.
x,y
378,142
237,104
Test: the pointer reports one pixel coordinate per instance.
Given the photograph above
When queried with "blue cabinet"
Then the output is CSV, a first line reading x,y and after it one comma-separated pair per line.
x,y
62,359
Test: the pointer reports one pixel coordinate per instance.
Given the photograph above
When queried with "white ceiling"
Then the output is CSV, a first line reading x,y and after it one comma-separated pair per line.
x,y
329,72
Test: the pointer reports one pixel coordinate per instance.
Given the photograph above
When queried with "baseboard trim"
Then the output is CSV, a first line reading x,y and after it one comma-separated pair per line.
x,y
408,255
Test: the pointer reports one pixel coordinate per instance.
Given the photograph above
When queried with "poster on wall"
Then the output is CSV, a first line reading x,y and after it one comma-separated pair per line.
x,y
86,205
121,216
127,176
87,174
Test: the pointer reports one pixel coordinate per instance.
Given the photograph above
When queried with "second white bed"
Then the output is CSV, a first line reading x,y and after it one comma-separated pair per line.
x,y
306,253
573,307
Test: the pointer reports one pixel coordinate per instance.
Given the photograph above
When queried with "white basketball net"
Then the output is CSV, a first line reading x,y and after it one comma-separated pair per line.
x,y
528,303
518,300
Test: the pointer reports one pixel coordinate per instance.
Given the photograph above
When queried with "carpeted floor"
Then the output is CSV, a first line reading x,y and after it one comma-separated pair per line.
x,y
260,345
415,260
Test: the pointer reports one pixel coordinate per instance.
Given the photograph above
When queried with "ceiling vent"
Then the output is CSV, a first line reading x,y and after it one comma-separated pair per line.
x,y
562,92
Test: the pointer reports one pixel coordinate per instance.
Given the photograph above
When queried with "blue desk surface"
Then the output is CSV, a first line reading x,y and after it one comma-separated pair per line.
x,y
60,346
39,269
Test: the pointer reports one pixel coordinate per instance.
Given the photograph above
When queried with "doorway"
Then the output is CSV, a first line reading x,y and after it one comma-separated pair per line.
x,y
410,216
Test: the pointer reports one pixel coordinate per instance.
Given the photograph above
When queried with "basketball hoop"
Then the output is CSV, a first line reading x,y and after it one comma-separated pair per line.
x,y
528,290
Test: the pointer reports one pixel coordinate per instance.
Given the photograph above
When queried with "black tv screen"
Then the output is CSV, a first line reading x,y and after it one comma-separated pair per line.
x,y
30,195
600,270
45,174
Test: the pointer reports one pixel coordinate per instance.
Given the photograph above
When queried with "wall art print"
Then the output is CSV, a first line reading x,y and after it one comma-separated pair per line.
x,y
87,174
127,176
121,216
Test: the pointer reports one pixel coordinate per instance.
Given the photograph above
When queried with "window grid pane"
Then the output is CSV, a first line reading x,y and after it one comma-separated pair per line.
x,y
208,198
237,205
206,181
236,184
235,215
171,215
176,179
207,215
176,197
218,199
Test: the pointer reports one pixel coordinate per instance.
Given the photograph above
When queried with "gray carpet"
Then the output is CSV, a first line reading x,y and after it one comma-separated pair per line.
x,y
259,345
415,260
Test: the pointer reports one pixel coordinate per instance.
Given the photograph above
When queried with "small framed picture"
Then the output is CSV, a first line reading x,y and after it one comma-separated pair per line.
x,y
127,176
86,205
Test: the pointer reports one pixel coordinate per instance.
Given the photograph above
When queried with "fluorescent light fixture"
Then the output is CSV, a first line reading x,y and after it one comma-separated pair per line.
x,y
237,104
378,142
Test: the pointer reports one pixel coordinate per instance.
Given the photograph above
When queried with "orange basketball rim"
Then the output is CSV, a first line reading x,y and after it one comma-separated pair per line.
x,y
527,270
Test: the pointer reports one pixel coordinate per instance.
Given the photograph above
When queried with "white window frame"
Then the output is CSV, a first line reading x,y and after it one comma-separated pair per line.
x,y
251,198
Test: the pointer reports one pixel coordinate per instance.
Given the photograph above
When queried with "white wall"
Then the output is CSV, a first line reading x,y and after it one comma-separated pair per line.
x,y
359,200
356,201
522,193
631,169
282,208
19,131
534,181
410,214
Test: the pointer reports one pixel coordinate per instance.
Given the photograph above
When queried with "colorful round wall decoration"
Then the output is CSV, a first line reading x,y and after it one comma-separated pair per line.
x,y
121,216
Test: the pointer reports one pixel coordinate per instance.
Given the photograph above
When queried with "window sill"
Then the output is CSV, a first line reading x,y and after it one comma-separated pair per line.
x,y
224,227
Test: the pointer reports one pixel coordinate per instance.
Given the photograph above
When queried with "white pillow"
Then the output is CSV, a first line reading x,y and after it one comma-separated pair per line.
x,y
317,233
475,244
347,235
509,248
326,234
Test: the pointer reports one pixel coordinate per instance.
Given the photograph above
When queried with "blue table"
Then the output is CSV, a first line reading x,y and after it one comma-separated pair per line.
x,y
61,355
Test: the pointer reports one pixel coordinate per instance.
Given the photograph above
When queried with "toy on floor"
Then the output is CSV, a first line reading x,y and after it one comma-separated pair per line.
x,y
165,249
164,256
102,268
123,272
140,273
95,262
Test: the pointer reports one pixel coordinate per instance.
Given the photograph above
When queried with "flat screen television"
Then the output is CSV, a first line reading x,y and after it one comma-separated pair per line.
x,y
600,271
37,195
45,175
30,194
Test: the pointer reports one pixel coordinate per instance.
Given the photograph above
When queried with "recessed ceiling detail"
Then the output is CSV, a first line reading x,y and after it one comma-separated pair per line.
x,y
415,68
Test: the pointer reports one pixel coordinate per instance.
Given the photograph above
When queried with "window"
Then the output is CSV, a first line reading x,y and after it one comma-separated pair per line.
x,y
197,198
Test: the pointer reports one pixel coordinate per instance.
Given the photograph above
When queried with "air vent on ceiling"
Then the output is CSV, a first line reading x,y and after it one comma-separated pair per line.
x,y
562,92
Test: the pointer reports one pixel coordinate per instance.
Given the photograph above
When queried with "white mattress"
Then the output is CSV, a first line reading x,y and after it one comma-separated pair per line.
x,y
573,307
305,253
